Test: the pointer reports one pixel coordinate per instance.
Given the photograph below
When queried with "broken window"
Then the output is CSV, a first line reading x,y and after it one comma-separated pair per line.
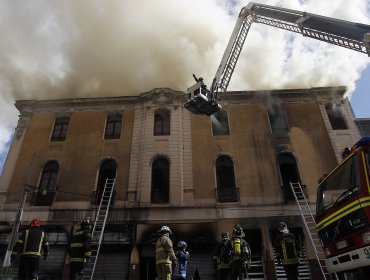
x,y
336,117
278,121
226,189
160,180
107,170
220,123
162,122
60,129
113,127
289,174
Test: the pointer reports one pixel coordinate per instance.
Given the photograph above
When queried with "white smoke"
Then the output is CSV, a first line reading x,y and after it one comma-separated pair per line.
x,y
64,49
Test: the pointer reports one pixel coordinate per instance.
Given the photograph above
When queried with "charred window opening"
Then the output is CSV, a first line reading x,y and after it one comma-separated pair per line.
x,y
278,121
220,123
60,129
289,174
107,170
226,189
45,193
160,181
335,115
162,120
113,127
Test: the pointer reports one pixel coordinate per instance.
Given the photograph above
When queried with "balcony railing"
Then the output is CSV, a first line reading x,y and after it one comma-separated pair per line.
x,y
159,196
42,197
227,194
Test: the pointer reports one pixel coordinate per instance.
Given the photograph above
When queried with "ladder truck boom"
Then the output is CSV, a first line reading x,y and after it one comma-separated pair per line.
x,y
355,36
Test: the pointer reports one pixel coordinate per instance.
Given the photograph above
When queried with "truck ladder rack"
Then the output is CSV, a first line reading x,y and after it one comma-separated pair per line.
x,y
99,226
310,225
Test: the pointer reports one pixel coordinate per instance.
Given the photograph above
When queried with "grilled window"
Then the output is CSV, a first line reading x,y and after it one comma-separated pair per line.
x,y
113,127
60,129
220,123
160,180
226,189
335,115
162,120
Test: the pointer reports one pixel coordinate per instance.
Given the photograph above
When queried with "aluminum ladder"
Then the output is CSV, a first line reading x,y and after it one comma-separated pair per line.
x,y
310,225
98,229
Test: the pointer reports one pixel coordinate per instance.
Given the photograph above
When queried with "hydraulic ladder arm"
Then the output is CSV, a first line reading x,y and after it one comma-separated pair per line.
x,y
346,34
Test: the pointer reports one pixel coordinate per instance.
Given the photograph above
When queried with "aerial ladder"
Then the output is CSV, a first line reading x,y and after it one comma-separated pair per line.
x,y
354,36
204,101
99,226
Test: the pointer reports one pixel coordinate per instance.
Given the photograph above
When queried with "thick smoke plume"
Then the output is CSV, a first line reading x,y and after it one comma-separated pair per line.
x,y
65,49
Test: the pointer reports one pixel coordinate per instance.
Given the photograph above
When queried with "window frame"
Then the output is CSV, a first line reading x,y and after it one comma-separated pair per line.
x,y
116,121
60,128
162,127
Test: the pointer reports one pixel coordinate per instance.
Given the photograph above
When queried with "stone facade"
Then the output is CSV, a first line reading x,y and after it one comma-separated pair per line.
x,y
194,210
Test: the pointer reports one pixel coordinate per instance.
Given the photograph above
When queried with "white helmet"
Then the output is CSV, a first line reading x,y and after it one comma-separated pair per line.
x,y
165,229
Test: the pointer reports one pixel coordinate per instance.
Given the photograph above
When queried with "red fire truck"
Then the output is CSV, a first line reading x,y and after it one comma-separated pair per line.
x,y
343,211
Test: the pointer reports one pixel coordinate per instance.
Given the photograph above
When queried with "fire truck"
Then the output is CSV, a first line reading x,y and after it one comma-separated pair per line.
x,y
343,199
343,210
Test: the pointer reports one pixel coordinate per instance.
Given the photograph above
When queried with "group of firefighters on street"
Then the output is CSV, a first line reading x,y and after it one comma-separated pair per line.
x,y
232,256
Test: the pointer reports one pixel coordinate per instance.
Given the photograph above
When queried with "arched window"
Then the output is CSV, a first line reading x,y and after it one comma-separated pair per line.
x,y
289,174
113,127
226,189
162,120
49,176
220,123
160,180
278,121
335,115
45,193
60,129
107,170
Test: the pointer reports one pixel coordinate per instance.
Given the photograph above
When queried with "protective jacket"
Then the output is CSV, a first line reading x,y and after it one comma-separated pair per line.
x,y
30,242
164,250
287,249
80,248
222,253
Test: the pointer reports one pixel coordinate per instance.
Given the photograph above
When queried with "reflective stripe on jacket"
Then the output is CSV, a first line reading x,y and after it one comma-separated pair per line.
x,y
30,243
164,251
80,247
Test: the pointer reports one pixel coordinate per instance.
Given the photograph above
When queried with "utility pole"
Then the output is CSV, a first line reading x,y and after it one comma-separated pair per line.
x,y
17,222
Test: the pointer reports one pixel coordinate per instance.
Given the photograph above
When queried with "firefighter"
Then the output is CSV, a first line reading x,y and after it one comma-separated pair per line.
x,y
221,256
80,249
182,261
29,246
165,259
287,251
240,255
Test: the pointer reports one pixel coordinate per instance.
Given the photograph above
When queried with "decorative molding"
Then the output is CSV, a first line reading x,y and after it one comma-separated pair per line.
x,y
23,120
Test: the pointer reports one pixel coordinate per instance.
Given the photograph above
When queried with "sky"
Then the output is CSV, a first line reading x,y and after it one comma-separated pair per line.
x,y
52,49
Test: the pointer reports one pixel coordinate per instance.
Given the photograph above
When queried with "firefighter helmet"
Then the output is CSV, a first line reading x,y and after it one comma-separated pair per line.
x,y
165,229
35,222
225,235
86,222
282,226
182,244
238,231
